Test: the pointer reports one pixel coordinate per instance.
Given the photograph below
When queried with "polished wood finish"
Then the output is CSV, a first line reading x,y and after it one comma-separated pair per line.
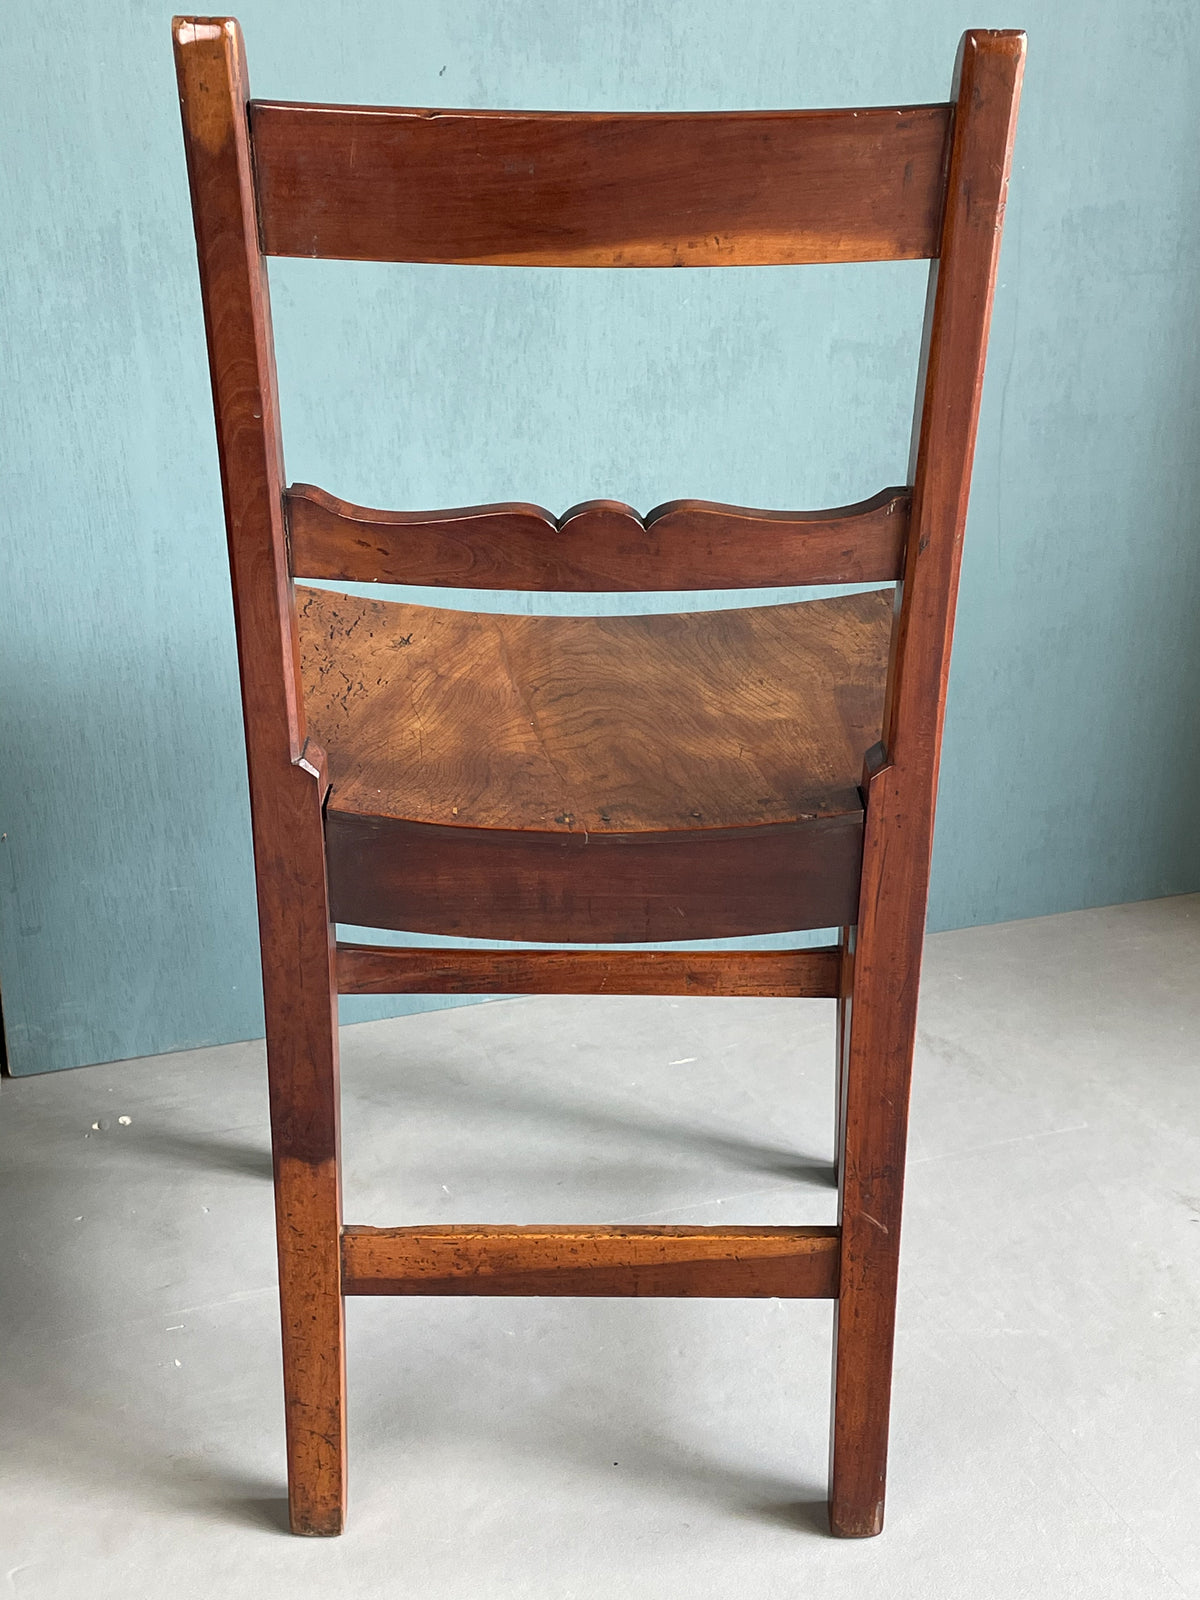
x,y
492,883
605,779
602,545
287,784
599,189
598,725
902,781
387,969
690,1263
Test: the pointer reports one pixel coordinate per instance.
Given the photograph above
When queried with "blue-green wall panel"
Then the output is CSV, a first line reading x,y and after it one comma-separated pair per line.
x,y
126,901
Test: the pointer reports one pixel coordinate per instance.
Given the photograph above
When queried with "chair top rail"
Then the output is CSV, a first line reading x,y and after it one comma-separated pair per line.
x,y
594,189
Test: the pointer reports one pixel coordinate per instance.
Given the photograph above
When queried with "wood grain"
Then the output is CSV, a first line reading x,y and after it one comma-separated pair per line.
x,y
597,189
595,725
694,1263
287,785
385,969
607,780
601,545
901,781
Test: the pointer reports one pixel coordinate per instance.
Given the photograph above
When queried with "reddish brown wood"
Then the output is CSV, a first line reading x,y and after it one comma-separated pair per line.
x,y
600,545
692,1263
594,779
384,969
598,189
845,991
286,782
902,782
611,780
598,725
490,883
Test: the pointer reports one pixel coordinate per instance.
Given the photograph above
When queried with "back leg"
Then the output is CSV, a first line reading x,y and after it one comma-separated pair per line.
x,y
877,1027
300,990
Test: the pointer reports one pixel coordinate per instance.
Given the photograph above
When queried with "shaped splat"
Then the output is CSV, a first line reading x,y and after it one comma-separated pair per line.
x,y
600,545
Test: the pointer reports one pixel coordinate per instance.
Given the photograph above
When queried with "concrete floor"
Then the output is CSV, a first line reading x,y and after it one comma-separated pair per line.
x,y
1046,1427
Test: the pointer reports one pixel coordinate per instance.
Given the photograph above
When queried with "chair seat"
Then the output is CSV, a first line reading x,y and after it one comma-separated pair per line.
x,y
594,778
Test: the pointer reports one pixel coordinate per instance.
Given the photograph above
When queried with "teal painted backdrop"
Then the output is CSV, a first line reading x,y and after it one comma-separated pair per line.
x,y
126,903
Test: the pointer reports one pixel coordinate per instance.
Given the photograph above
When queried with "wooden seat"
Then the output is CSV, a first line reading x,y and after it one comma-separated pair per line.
x,y
718,754
596,781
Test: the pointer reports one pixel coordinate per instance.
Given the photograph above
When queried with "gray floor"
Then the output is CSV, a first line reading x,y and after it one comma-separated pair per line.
x,y
1046,1425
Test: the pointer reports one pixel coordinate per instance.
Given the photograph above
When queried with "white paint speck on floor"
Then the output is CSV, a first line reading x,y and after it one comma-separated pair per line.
x,y
1046,1426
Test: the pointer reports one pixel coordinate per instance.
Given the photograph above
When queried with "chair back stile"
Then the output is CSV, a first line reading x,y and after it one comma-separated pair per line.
x,y
297,936
878,1008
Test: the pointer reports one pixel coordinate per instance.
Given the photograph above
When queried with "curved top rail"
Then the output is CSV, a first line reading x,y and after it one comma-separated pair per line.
x,y
599,189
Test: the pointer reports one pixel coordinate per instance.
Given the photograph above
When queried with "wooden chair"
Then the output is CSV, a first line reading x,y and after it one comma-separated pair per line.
x,y
582,779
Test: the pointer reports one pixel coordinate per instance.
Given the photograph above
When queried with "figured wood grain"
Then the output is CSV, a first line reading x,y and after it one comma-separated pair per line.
x,y
775,1263
601,545
879,1016
387,969
599,189
287,785
594,780
594,725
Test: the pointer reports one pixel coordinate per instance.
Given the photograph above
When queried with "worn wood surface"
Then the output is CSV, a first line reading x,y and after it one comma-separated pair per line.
x,y
694,1263
599,189
287,785
596,725
609,780
602,545
386,969
902,782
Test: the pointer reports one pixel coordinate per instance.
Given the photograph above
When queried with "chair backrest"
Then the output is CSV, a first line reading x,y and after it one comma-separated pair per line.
x,y
596,190
590,189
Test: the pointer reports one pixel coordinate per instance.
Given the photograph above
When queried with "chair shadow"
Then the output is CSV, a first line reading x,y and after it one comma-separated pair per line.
x,y
750,1496
265,1513
663,1463
213,1153
437,1091
797,1508
90,1436
220,1154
